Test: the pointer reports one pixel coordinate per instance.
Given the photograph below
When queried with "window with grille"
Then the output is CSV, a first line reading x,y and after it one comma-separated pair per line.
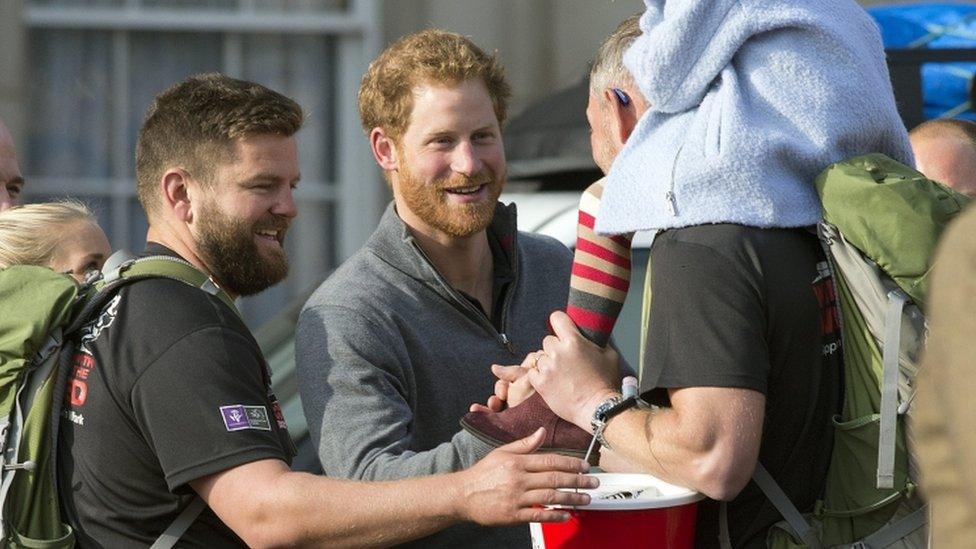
x,y
94,66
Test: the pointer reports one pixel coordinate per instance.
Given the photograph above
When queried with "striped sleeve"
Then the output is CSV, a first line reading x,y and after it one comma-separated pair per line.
x,y
600,274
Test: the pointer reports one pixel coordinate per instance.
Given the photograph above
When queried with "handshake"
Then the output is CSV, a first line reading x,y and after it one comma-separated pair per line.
x,y
545,404
557,387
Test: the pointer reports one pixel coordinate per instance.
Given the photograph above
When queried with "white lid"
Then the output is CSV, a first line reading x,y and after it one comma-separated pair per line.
x,y
624,491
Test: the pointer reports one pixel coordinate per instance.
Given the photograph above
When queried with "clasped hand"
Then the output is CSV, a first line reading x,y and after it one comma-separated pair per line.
x,y
572,374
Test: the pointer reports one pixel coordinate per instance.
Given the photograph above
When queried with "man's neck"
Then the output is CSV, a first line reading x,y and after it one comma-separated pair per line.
x,y
465,262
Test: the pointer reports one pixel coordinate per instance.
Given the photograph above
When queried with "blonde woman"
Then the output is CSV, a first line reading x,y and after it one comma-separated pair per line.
x,y
61,235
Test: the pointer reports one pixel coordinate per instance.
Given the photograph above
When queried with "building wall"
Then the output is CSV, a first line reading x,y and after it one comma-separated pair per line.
x,y
12,54
544,45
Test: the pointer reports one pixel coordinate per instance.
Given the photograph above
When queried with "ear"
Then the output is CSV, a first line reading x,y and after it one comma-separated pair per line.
x,y
624,117
176,193
384,149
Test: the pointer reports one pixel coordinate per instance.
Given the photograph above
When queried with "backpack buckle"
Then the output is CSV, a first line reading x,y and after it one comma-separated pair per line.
x,y
210,286
116,265
118,272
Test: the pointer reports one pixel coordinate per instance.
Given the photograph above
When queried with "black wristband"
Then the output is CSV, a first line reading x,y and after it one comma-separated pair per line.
x,y
621,406
613,411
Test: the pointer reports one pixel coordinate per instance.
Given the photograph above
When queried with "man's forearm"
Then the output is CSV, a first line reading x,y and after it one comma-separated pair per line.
x,y
681,454
341,513
709,441
268,505
643,438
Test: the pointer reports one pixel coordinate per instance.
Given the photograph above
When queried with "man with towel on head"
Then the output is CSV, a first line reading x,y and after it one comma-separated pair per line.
x,y
748,101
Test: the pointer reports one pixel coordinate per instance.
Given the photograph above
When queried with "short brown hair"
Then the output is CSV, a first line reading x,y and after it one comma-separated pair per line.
x,y
194,123
429,56
608,68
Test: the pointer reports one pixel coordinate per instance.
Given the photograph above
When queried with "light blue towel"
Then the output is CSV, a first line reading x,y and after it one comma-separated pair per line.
x,y
750,100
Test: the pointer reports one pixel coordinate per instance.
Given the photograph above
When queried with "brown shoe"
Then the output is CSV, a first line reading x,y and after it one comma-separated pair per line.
x,y
511,424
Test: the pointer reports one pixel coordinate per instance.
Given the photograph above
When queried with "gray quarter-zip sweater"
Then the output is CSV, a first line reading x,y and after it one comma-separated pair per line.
x,y
390,356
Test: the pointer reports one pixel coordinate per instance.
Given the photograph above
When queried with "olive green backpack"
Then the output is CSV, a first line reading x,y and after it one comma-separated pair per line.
x,y
881,222
40,313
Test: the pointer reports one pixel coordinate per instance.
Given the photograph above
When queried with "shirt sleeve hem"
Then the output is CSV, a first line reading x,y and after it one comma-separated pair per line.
x,y
178,479
724,381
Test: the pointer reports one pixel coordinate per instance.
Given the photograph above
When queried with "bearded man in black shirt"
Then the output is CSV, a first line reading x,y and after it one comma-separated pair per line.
x,y
169,397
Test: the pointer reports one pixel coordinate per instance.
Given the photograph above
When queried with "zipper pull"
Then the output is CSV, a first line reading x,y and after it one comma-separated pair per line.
x,y
672,203
507,343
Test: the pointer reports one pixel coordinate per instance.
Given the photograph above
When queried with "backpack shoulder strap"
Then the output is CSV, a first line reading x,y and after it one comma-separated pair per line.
x,y
724,538
782,502
895,531
180,525
163,266
887,429
129,271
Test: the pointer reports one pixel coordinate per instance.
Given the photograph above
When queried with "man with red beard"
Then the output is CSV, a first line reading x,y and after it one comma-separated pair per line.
x,y
393,348
169,402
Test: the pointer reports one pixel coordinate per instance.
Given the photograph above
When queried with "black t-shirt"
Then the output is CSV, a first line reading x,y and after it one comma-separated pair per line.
x,y
742,307
167,386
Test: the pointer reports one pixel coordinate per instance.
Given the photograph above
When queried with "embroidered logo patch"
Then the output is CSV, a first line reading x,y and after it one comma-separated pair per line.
x,y
239,417
235,418
257,417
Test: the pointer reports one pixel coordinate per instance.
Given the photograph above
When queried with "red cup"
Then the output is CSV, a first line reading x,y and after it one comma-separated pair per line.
x,y
627,511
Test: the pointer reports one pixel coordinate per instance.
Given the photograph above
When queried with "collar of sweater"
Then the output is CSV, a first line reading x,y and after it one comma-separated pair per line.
x,y
393,243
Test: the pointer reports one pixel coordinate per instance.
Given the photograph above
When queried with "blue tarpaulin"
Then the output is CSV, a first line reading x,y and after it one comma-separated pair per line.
x,y
945,86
